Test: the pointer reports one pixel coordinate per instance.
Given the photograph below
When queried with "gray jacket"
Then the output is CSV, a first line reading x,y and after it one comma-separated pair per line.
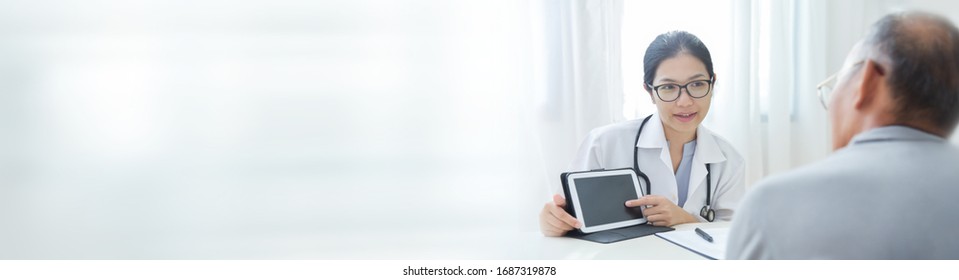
x,y
893,193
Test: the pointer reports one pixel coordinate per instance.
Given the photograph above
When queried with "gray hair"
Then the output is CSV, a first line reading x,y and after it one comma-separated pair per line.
x,y
923,51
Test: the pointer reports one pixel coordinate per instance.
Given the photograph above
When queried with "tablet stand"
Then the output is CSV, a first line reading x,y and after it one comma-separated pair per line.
x,y
619,234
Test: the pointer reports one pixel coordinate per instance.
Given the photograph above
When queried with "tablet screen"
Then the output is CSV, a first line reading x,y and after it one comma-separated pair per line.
x,y
602,199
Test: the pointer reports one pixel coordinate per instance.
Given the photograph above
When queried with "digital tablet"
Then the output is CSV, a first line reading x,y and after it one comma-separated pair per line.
x,y
598,198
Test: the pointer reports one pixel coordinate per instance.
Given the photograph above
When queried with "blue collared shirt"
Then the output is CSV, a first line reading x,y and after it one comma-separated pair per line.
x,y
685,168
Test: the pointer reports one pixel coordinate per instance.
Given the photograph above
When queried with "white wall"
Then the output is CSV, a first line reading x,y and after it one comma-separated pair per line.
x,y
209,129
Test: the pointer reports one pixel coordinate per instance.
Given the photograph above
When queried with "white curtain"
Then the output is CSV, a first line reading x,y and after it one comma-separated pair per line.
x,y
581,78
776,121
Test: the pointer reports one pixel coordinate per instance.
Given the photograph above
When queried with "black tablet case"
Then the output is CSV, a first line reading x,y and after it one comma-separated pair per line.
x,y
610,235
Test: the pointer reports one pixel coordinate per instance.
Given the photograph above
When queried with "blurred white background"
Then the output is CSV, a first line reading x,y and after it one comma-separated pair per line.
x,y
194,129
354,129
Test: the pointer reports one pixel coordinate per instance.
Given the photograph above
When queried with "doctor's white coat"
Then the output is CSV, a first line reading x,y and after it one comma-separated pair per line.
x,y
611,147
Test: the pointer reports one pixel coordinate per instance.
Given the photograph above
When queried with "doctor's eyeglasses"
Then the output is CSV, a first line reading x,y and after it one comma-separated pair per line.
x,y
670,92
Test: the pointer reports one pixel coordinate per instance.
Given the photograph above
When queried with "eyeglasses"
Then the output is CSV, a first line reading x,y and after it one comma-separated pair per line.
x,y
670,92
824,90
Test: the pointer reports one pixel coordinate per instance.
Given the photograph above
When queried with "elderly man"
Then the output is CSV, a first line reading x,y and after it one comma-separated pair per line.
x,y
891,189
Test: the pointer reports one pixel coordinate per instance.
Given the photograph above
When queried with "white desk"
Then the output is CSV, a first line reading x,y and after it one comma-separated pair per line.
x,y
646,247
490,245
390,244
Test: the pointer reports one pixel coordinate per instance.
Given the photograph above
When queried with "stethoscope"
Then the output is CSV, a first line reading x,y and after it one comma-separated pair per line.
x,y
707,211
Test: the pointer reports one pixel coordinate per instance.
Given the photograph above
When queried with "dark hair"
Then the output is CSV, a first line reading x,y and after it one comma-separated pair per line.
x,y
924,52
671,44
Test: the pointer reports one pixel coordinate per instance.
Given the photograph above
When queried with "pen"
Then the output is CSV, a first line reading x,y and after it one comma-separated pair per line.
x,y
704,235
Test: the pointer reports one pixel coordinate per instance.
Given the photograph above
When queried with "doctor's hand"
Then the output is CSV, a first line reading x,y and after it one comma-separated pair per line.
x,y
553,220
661,211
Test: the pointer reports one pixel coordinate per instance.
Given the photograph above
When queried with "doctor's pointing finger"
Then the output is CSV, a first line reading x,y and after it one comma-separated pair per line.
x,y
660,211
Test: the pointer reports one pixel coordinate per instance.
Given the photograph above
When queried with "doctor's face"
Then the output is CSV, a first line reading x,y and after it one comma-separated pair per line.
x,y
686,76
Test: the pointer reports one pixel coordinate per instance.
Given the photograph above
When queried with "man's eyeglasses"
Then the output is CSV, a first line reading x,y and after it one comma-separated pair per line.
x,y
824,90
670,92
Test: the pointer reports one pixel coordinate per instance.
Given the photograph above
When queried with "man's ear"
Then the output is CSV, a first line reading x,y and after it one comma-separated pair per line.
x,y
873,77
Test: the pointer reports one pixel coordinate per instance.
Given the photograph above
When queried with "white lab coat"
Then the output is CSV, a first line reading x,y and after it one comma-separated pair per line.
x,y
611,147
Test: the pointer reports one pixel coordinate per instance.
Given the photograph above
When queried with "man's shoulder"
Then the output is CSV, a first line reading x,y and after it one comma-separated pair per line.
x,y
774,207
812,175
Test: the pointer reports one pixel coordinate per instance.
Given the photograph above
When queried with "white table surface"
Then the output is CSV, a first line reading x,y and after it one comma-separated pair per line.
x,y
647,247
488,245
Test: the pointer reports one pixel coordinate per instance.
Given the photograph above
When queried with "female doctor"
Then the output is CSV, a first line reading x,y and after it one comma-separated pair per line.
x,y
673,149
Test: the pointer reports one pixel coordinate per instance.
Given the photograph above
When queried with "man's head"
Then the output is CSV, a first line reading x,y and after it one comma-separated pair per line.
x,y
905,72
